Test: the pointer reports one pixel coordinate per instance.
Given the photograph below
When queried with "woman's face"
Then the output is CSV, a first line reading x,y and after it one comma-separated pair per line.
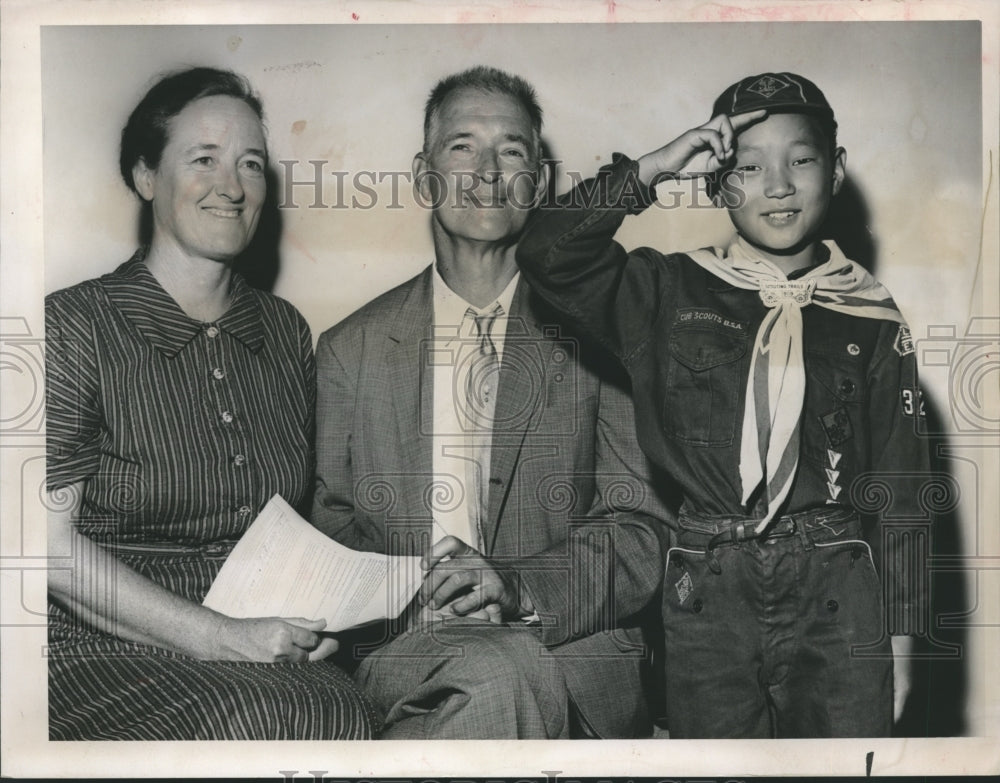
x,y
208,190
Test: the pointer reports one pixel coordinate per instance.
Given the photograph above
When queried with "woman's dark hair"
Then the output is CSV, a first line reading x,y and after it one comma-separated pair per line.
x,y
145,134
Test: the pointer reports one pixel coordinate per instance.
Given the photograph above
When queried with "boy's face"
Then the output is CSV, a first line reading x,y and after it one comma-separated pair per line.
x,y
785,177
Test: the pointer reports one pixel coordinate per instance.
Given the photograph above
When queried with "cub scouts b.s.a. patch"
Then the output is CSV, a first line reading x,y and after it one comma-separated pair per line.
x,y
904,341
837,426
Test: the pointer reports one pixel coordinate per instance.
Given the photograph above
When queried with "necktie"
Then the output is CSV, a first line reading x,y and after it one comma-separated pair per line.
x,y
769,448
481,382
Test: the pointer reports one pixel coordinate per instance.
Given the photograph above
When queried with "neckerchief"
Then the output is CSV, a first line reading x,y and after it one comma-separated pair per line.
x,y
769,449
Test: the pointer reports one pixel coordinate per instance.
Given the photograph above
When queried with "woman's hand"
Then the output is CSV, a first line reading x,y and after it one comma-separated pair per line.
x,y
90,583
272,640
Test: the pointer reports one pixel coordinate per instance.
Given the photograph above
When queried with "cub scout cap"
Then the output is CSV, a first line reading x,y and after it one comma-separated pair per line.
x,y
776,92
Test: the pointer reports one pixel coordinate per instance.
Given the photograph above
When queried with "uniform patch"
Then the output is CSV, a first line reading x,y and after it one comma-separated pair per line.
x,y
689,315
912,402
837,425
684,586
904,341
767,86
833,475
775,292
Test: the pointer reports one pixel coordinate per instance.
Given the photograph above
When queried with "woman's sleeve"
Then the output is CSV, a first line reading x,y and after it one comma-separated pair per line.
x,y
72,409
309,372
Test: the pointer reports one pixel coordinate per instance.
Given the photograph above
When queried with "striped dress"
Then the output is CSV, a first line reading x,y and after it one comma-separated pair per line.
x,y
182,430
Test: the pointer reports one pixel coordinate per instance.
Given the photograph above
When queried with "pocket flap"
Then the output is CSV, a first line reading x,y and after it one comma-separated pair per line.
x,y
700,349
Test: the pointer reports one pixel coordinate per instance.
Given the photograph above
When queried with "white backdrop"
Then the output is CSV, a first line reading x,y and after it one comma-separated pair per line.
x,y
906,97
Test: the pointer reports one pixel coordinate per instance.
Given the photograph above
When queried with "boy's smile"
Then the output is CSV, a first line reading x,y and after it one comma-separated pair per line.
x,y
780,190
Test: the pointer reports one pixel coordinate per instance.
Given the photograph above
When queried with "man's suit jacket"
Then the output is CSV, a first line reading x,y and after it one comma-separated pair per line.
x,y
570,506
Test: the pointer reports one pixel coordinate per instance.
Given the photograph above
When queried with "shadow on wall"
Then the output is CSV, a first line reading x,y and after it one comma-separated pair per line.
x,y
936,706
260,262
848,223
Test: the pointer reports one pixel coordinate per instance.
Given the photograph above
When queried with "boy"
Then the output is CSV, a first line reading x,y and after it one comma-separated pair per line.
x,y
768,377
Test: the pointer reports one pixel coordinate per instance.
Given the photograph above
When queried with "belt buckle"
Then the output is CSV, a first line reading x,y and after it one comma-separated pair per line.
x,y
744,531
783,527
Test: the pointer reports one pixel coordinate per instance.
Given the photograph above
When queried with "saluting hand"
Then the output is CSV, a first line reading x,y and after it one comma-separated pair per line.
x,y
701,150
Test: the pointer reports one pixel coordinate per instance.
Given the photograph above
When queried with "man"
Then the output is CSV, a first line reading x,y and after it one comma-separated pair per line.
x,y
455,421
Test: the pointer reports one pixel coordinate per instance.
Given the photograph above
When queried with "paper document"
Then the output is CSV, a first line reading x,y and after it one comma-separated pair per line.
x,y
284,567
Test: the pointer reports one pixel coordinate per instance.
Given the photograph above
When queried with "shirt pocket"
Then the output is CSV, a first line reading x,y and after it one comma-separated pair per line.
x,y
703,384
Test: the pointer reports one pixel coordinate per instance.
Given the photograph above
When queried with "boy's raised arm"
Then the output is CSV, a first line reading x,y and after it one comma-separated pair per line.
x,y
569,255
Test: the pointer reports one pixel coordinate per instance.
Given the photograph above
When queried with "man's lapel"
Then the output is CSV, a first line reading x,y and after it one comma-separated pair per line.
x,y
412,399
520,403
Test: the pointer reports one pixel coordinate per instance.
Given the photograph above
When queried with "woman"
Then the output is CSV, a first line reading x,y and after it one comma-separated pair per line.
x,y
179,400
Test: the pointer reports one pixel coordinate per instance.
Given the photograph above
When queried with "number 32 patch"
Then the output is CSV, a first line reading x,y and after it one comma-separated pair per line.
x,y
913,402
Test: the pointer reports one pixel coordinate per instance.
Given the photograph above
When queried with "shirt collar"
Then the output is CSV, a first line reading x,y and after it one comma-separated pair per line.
x,y
154,313
449,307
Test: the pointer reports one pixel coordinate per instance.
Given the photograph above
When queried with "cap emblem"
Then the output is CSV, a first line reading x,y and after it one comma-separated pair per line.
x,y
768,86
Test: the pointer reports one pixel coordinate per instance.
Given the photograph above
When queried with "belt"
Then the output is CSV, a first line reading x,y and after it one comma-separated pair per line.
x,y
736,529
723,531
747,531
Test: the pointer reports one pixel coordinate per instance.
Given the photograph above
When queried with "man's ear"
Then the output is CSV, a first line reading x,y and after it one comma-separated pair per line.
x,y
542,185
839,169
419,167
142,176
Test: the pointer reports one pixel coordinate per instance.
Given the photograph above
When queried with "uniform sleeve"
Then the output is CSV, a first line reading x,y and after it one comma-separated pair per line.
x,y
336,397
569,256
901,482
613,560
72,404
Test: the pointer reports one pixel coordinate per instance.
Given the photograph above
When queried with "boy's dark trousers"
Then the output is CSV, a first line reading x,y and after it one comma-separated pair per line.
x,y
777,636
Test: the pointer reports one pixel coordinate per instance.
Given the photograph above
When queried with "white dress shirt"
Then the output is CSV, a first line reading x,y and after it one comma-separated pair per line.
x,y
454,340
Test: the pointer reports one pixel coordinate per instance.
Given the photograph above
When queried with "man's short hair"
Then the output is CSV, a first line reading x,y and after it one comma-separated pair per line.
x,y
486,79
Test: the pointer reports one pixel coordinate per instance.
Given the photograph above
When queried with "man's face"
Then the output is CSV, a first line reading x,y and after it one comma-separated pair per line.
x,y
784,178
481,169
